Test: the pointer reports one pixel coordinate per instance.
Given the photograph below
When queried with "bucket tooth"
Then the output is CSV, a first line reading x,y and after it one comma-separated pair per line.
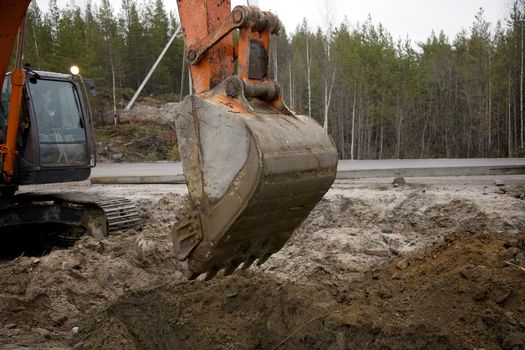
x,y
263,259
211,273
248,263
231,267
193,275
254,171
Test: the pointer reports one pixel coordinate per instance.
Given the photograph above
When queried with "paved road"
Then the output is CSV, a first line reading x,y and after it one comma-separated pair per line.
x,y
430,167
167,172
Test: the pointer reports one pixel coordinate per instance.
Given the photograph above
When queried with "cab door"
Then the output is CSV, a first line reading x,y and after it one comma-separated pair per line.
x,y
57,113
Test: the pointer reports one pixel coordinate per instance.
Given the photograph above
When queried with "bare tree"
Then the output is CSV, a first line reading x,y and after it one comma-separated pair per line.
x,y
182,74
353,121
309,76
521,85
329,76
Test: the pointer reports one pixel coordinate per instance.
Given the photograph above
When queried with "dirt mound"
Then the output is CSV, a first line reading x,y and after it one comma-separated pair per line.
x,y
245,311
465,293
141,141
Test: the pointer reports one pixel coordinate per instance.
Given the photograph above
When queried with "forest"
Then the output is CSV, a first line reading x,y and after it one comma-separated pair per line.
x,y
377,97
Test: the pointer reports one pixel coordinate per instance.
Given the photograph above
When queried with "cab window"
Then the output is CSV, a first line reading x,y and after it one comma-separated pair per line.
x,y
61,133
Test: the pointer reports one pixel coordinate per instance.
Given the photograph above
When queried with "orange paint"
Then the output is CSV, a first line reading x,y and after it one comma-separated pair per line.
x,y
198,20
11,13
13,120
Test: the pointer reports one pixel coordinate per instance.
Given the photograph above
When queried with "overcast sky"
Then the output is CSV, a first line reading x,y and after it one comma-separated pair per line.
x,y
413,18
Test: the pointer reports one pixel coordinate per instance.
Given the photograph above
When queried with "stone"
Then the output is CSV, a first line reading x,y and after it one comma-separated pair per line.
x,y
402,265
381,252
396,275
387,229
396,251
43,332
71,264
502,296
499,183
353,268
399,181
10,326
231,291
469,272
117,157
511,319
75,331
145,247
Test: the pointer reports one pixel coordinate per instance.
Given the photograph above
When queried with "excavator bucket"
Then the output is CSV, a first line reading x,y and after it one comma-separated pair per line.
x,y
254,171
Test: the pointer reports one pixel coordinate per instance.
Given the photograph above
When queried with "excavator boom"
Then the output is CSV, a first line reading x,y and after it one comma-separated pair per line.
x,y
254,168
13,12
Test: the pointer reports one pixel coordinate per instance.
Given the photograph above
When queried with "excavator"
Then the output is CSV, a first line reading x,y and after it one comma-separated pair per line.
x,y
254,168
46,136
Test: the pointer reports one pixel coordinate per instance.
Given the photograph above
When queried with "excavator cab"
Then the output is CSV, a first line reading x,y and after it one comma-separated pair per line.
x,y
55,138
255,169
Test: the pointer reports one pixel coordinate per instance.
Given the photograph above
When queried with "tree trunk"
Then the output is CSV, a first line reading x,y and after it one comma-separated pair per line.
x,y
309,82
342,137
275,65
327,99
509,119
521,87
422,153
290,83
353,122
116,118
381,133
489,112
182,75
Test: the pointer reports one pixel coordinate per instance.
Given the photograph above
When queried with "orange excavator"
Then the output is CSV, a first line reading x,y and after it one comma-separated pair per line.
x,y
46,136
254,168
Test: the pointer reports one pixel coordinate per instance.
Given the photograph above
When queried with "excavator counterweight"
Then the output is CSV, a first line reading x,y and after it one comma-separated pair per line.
x,y
254,168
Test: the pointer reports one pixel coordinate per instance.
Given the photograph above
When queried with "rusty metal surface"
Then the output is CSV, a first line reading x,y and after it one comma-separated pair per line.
x,y
289,165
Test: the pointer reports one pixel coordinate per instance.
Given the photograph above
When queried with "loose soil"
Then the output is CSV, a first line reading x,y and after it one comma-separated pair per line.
x,y
373,267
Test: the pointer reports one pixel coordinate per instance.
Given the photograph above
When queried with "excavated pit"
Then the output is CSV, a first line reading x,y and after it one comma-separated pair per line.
x,y
413,267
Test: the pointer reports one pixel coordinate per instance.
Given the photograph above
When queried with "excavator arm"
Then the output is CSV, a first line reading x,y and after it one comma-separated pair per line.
x,y
11,31
254,168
